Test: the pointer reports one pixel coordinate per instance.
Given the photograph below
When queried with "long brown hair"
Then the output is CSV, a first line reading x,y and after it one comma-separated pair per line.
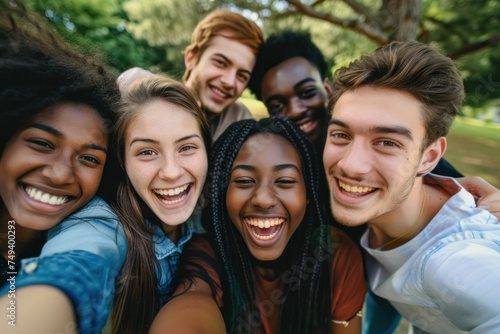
x,y
136,299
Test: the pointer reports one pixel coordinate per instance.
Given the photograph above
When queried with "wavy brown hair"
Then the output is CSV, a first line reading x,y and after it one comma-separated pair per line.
x,y
136,299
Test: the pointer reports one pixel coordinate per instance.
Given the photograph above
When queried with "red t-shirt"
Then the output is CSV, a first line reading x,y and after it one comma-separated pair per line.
x,y
348,287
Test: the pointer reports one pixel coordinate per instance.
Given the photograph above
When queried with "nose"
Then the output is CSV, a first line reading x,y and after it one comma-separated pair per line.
x,y
356,160
60,171
264,197
170,169
228,78
296,108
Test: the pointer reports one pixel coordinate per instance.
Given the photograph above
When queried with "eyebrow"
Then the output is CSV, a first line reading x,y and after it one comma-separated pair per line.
x,y
297,85
45,128
59,134
400,130
276,168
153,141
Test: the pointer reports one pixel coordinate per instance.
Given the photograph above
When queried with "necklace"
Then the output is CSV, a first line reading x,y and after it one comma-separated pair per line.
x,y
412,227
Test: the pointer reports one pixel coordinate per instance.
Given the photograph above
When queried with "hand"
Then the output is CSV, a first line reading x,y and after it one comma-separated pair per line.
x,y
486,195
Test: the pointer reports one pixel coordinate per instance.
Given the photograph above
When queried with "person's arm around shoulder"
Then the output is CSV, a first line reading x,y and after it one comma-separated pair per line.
x,y
487,196
193,311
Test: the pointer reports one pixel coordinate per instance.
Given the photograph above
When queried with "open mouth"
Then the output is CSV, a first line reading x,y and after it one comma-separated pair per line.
x,y
220,93
46,198
264,228
172,195
357,190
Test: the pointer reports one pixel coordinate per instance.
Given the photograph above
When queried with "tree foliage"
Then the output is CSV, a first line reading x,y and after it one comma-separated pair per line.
x,y
154,33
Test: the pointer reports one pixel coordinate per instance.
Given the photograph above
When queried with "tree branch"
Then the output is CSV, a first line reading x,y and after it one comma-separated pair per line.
x,y
372,33
365,11
475,47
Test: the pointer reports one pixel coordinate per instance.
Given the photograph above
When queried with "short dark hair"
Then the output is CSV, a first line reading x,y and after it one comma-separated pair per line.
x,y
280,47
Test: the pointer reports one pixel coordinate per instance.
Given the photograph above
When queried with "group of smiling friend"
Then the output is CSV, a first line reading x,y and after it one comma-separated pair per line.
x,y
241,236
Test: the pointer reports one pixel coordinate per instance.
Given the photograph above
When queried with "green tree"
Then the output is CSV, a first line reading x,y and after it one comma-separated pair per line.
x,y
98,27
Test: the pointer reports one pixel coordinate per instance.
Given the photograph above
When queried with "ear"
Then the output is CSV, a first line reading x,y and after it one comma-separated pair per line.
x,y
328,86
431,156
189,59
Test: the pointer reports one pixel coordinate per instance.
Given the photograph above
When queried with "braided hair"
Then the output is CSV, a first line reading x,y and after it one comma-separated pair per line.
x,y
308,287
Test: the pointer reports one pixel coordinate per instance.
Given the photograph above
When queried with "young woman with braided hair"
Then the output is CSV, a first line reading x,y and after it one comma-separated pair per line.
x,y
270,261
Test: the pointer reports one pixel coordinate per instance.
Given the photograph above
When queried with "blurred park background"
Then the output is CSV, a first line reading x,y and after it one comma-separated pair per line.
x,y
153,34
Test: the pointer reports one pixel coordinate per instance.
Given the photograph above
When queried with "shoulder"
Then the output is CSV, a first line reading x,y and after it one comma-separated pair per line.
x,y
347,277
237,111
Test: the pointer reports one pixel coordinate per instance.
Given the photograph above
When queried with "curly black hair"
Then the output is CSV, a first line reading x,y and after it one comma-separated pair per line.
x,y
38,69
280,47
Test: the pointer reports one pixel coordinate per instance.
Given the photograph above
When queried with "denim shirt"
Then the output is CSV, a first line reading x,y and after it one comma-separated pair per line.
x,y
168,253
82,257
446,279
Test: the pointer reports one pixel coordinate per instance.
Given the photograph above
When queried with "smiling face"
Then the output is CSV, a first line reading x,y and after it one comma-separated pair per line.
x,y
373,155
266,197
294,88
166,160
221,73
53,165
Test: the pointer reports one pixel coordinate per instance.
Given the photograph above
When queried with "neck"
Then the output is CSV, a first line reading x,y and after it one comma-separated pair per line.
x,y
25,242
403,224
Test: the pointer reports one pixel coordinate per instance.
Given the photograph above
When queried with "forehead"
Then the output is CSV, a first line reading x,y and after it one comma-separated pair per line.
x,y
159,116
288,74
74,120
235,51
368,107
266,149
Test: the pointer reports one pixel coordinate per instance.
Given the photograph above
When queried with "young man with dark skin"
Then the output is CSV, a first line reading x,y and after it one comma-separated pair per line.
x,y
219,63
430,251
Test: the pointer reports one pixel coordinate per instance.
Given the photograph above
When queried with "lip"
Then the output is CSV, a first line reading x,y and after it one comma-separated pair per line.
x,y
308,126
180,200
44,207
216,95
265,242
353,197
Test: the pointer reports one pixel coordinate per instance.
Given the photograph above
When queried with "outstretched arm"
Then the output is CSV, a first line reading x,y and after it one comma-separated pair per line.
x,y
28,311
194,311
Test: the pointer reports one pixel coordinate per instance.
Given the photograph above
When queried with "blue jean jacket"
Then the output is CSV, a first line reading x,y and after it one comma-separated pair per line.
x,y
82,257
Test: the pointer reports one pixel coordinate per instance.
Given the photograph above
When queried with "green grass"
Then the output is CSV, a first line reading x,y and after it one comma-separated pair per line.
x,y
474,149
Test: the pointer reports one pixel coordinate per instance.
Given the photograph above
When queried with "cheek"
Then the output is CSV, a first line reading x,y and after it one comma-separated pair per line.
x,y
91,181
234,203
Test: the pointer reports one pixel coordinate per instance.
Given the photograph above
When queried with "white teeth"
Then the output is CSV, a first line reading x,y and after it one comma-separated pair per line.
x,y
264,223
172,191
266,237
355,189
304,126
44,197
219,92
177,200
